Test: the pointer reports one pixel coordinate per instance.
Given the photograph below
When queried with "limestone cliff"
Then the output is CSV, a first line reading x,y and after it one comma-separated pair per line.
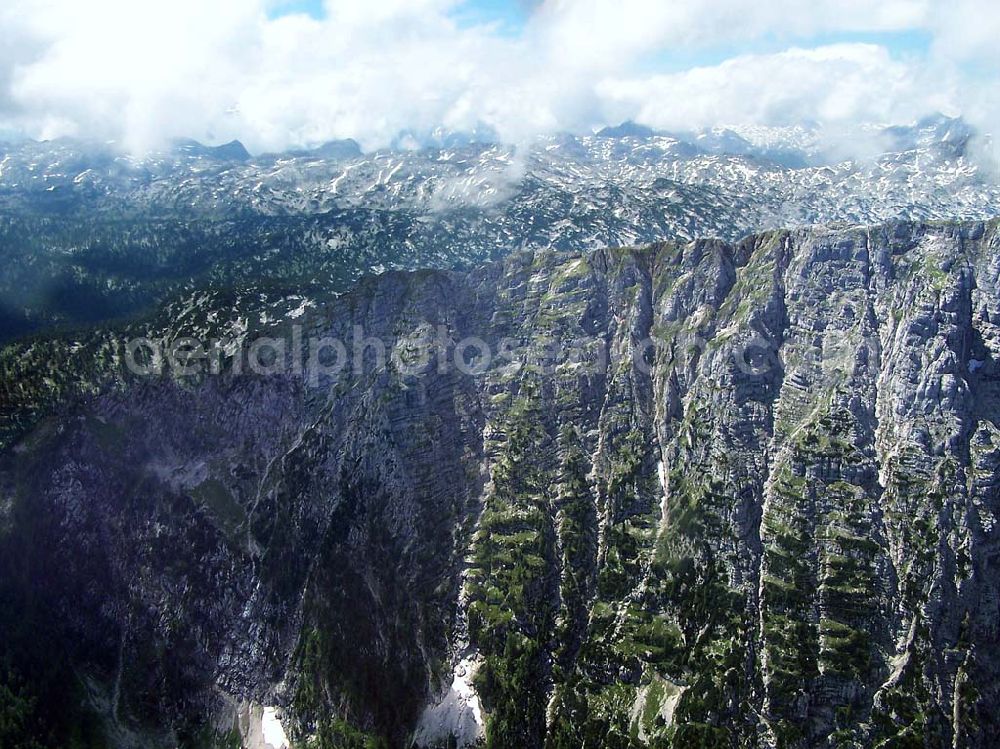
x,y
713,495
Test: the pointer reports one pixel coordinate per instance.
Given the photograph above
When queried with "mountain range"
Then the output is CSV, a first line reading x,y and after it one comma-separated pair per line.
x,y
703,449
90,235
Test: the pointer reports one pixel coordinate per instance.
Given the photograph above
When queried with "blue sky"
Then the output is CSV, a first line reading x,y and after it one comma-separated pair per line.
x,y
312,8
511,15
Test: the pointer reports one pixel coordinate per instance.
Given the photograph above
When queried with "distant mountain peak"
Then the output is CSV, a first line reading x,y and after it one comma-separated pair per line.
x,y
347,148
231,151
627,129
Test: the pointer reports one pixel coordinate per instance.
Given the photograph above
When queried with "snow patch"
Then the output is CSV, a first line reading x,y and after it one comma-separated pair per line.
x,y
260,727
661,472
272,730
458,714
301,309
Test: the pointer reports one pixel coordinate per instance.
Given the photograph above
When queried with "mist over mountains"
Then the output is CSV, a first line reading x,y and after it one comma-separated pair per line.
x,y
92,234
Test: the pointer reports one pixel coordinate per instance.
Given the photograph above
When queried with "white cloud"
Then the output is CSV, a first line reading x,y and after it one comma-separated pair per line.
x,y
221,69
835,84
598,29
965,48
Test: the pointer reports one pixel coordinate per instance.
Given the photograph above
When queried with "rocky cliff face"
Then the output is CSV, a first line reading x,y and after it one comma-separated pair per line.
x,y
708,494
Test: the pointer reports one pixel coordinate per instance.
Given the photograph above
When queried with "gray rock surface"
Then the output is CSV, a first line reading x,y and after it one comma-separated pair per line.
x,y
755,504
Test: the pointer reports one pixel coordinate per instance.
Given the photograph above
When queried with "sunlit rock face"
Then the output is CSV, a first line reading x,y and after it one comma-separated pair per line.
x,y
767,515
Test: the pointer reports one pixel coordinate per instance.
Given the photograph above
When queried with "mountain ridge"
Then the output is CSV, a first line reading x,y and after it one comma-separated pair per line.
x,y
91,235
773,525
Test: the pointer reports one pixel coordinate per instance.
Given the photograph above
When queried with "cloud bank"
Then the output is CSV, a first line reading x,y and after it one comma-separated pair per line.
x,y
141,73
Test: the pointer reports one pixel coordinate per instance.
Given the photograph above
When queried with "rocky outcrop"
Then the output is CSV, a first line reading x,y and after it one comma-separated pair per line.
x,y
695,494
